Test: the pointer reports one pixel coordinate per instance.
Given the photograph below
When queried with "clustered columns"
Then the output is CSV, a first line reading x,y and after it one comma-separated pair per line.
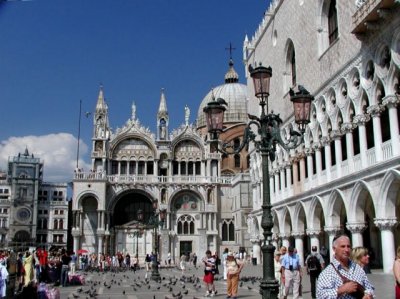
x,y
386,226
298,244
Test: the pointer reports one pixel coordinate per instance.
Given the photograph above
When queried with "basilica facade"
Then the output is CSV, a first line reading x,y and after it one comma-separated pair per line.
x,y
204,195
345,178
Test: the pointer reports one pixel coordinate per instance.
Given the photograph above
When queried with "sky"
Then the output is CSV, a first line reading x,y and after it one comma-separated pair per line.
x,y
55,54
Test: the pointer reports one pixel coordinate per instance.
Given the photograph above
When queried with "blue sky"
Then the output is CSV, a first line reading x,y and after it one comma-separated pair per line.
x,y
54,53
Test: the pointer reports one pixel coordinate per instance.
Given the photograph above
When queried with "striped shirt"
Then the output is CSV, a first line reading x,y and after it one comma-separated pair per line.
x,y
329,280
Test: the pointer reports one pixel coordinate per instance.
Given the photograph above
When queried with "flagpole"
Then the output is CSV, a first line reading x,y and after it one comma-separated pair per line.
x,y
79,133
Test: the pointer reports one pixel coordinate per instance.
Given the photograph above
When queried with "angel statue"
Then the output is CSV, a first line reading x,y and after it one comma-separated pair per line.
x,y
187,115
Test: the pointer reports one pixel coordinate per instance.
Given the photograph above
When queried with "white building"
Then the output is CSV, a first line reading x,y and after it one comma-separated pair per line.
x,y
346,176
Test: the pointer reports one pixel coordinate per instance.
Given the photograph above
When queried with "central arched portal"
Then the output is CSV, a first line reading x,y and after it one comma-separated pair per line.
x,y
130,236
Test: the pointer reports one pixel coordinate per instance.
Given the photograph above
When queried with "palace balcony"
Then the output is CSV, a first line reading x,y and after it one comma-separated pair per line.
x,y
369,14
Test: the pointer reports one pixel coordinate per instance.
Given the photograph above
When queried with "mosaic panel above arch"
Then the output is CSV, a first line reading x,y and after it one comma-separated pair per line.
x,y
186,202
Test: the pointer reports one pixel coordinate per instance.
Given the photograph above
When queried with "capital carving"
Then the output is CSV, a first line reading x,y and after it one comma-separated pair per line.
x,y
386,224
361,119
391,101
298,234
316,146
347,128
333,230
356,227
375,110
308,151
325,140
336,134
285,236
313,232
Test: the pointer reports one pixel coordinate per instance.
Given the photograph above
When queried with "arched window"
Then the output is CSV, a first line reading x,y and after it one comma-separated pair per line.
x,y
55,224
332,22
290,72
61,224
228,230
237,161
186,225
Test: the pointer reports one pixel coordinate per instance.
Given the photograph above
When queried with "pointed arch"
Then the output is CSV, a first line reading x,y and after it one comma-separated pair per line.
x,y
389,195
361,191
299,217
336,209
316,213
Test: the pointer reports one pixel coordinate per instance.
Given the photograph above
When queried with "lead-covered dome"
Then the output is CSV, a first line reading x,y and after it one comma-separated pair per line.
x,y
234,93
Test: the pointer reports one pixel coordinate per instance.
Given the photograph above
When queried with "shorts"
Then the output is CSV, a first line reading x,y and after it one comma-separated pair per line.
x,y
208,277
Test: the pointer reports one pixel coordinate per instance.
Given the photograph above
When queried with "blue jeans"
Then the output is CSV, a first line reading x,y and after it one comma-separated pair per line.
x,y
64,275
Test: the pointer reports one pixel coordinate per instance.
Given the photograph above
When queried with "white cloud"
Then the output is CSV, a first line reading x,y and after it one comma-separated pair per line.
x,y
56,151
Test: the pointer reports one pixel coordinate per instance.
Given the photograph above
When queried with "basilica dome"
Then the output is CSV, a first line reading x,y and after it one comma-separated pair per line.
x,y
234,94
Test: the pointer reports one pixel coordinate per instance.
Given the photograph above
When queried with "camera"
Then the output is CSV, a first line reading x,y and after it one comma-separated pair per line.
x,y
290,267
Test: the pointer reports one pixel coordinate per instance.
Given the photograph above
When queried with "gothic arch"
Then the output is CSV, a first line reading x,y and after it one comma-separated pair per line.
x,y
299,217
389,195
358,196
316,217
287,221
336,209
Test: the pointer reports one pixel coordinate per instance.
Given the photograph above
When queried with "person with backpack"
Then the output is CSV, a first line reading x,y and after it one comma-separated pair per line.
x,y
314,264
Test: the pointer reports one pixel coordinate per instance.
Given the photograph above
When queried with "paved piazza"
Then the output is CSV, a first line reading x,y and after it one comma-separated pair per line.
x,y
130,285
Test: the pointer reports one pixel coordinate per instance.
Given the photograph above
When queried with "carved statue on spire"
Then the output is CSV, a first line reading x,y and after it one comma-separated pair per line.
x,y
133,111
187,115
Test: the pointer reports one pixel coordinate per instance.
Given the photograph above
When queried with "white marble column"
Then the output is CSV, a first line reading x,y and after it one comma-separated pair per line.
x,y
391,102
318,162
285,240
310,168
356,229
375,111
326,143
298,239
360,120
288,179
100,243
388,245
314,237
336,136
332,232
347,128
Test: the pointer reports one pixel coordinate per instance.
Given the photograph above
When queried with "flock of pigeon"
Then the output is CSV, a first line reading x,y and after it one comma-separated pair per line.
x,y
128,283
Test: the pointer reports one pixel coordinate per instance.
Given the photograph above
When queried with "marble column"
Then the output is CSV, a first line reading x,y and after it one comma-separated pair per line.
x,y
318,158
310,168
386,227
285,240
356,229
288,178
391,102
332,231
326,143
347,128
298,239
314,237
336,136
375,111
360,120
100,248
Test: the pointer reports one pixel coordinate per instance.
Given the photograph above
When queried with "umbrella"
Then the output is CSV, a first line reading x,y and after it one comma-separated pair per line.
x,y
82,251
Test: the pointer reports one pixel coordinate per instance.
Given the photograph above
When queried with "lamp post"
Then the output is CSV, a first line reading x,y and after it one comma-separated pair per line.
x,y
268,135
154,221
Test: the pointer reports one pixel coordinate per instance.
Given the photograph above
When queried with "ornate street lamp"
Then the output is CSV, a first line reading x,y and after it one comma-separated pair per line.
x,y
268,135
155,220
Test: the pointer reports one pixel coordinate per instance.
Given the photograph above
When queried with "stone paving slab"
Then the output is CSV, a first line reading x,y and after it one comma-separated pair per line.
x,y
130,285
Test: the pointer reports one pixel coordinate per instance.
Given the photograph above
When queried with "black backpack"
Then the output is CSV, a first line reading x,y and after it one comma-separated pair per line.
x,y
313,263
